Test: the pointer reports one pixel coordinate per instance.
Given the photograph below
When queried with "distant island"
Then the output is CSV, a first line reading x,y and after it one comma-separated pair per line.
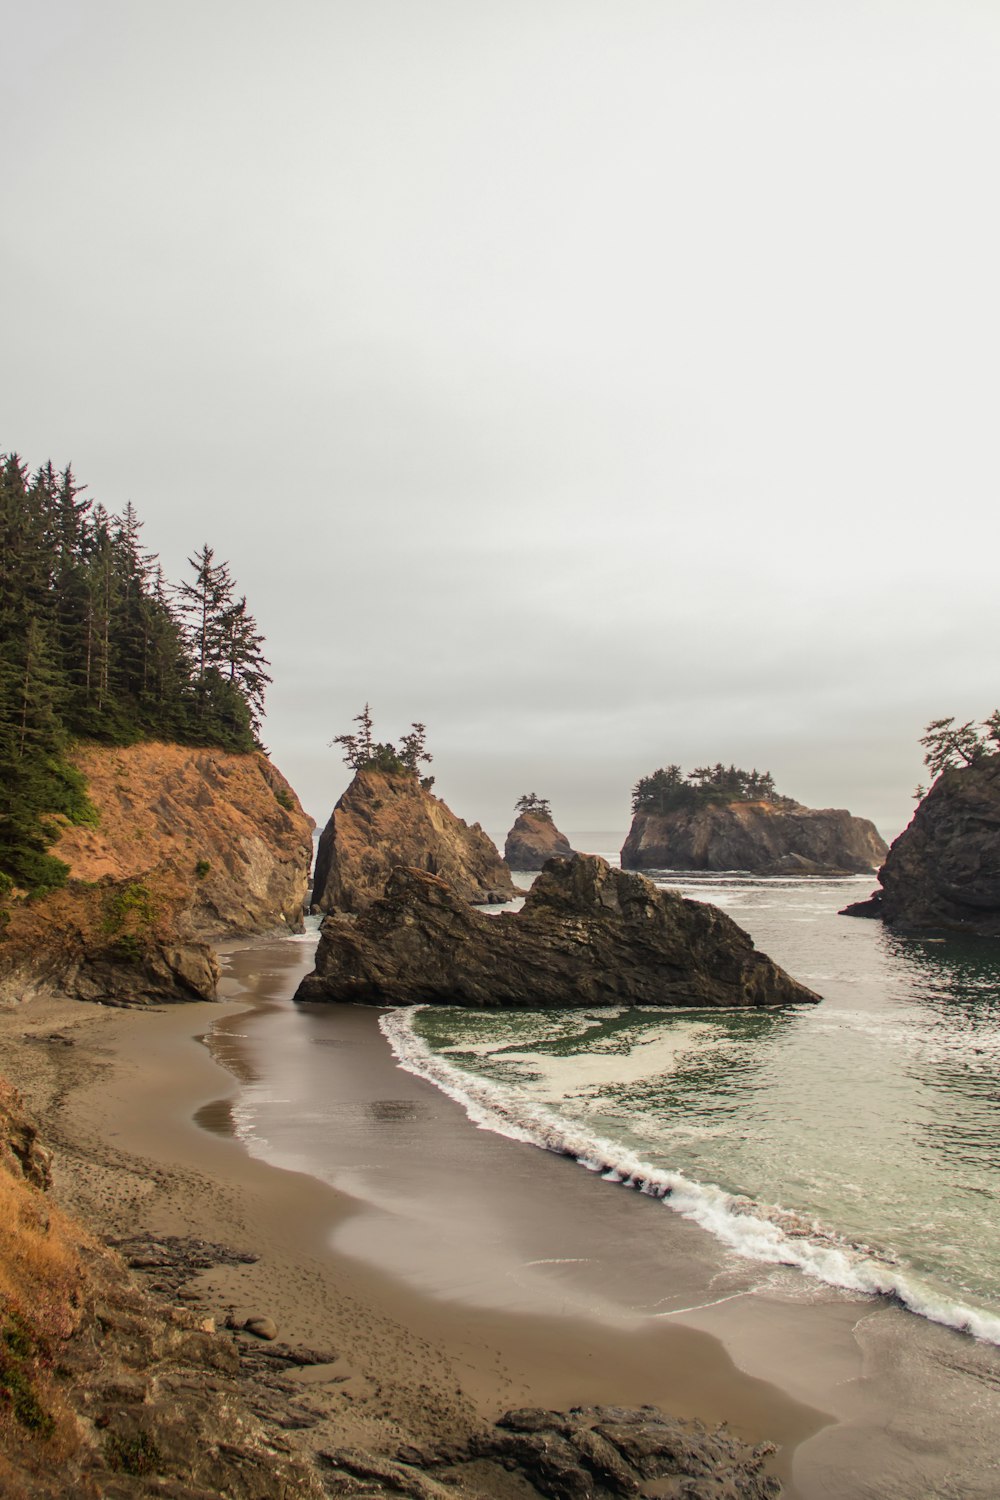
x,y
534,837
724,818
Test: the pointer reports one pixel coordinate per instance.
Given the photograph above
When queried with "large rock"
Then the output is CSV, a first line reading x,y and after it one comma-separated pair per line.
x,y
766,838
943,872
385,819
533,839
228,825
587,935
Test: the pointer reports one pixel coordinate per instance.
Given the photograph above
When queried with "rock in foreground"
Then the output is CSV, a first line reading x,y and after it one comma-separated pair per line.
x,y
766,838
943,872
534,839
587,935
385,819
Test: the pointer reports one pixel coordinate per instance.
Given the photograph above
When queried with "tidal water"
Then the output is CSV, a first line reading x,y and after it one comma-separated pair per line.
x,y
857,1140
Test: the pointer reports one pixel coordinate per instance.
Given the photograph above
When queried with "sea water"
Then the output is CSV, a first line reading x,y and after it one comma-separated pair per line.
x,y
857,1140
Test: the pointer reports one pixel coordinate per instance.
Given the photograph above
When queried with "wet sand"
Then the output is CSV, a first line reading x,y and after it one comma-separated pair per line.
x,y
457,1273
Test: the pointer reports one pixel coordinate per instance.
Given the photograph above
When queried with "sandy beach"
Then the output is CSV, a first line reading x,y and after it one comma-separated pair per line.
x,y
445,1267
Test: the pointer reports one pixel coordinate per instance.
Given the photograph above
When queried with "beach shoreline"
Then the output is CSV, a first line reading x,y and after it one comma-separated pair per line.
x,y
119,1095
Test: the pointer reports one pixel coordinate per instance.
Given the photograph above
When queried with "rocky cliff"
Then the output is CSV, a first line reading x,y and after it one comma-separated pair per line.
x,y
387,818
765,837
189,844
587,935
533,839
943,872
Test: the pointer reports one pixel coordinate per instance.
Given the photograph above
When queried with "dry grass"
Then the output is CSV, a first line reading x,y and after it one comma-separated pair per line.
x,y
41,1282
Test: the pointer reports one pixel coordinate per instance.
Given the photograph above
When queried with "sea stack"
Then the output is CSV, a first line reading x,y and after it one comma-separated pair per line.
x,y
943,872
387,818
587,935
766,838
534,837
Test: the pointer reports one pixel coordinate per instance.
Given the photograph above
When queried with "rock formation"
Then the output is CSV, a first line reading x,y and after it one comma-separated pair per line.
x,y
189,844
533,839
386,818
766,838
943,872
587,935
228,825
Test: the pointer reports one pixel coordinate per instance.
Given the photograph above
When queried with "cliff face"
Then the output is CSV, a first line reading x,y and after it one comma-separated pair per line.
x,y
228,826
764,837
533,839
385,819
190,844
943,872
587,935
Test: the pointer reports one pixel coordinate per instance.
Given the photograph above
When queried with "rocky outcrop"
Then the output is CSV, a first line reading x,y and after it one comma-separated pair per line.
x,y
117,942
533,839
943,872
188,844
767,838
227,825
587,935
385,819
589,1453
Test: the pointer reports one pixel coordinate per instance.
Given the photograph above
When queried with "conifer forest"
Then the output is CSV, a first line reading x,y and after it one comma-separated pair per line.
x,y
96,644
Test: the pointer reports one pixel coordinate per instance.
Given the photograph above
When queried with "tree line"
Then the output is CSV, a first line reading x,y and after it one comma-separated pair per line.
x,y
669,788
96,644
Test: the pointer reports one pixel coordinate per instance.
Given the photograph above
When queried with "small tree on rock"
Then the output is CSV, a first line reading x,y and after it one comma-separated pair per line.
x,y
532,803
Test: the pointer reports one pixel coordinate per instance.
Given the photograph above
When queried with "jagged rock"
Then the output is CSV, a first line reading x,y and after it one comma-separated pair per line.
x,y
943,872
228,825
533,839
117,942
385,819
587,935
767,838
21,1152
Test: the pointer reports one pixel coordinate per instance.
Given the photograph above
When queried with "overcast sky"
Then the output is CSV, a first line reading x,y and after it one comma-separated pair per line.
x,y
602,384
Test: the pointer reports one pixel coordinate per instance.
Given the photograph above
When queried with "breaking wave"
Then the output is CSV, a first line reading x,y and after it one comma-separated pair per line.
x,y
756,1231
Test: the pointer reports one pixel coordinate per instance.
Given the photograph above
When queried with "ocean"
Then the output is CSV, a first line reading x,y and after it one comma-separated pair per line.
x,y
857,1141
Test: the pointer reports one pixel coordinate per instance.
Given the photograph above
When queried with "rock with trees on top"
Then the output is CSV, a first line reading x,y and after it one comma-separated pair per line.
x,y
587,935
942,874
534,838
724,818
389,816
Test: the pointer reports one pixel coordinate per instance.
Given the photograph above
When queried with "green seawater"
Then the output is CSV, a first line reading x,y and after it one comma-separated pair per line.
x,y
859,1139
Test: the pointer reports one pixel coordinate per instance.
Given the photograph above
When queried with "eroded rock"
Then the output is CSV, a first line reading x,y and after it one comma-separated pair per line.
x,y
385,819
587,935
534,839
943,872
763,837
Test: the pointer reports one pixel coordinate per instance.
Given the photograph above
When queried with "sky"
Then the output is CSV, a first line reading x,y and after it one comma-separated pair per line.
x,y
603,385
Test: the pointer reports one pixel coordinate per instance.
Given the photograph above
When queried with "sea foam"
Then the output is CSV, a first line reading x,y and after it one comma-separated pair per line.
x,y
756,1231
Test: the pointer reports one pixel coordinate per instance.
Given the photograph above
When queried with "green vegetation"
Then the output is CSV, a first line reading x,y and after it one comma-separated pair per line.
x,y
669,788
95,644
138,1454
284,798
17,1389
362,752
532,803
201,869
948,744
132,904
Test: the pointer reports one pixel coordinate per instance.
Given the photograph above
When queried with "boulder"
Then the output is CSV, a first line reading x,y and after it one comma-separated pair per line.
x,y
386,818
766,838
943,872
587,935
533,839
